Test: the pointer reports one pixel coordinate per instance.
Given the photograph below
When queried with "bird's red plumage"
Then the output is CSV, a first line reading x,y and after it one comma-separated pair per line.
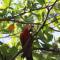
x,y
25,37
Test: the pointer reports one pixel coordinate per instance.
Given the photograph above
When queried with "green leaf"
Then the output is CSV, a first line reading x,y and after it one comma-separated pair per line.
x,y
36,44
5,4
41,1
37,56
12,50
49,37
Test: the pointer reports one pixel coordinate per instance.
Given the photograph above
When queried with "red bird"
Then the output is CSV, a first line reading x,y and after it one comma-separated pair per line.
x,y
25,38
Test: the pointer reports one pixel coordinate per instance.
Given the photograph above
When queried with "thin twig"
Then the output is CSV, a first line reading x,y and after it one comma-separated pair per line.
x,y
51,49
19,52
10,35
54,29
45,19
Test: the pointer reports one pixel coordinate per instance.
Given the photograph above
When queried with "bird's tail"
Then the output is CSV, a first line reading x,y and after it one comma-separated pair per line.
x,y
29,58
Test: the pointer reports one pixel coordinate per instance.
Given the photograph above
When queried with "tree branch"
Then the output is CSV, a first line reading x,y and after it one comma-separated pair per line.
x,y
45,49
46,18
54,29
